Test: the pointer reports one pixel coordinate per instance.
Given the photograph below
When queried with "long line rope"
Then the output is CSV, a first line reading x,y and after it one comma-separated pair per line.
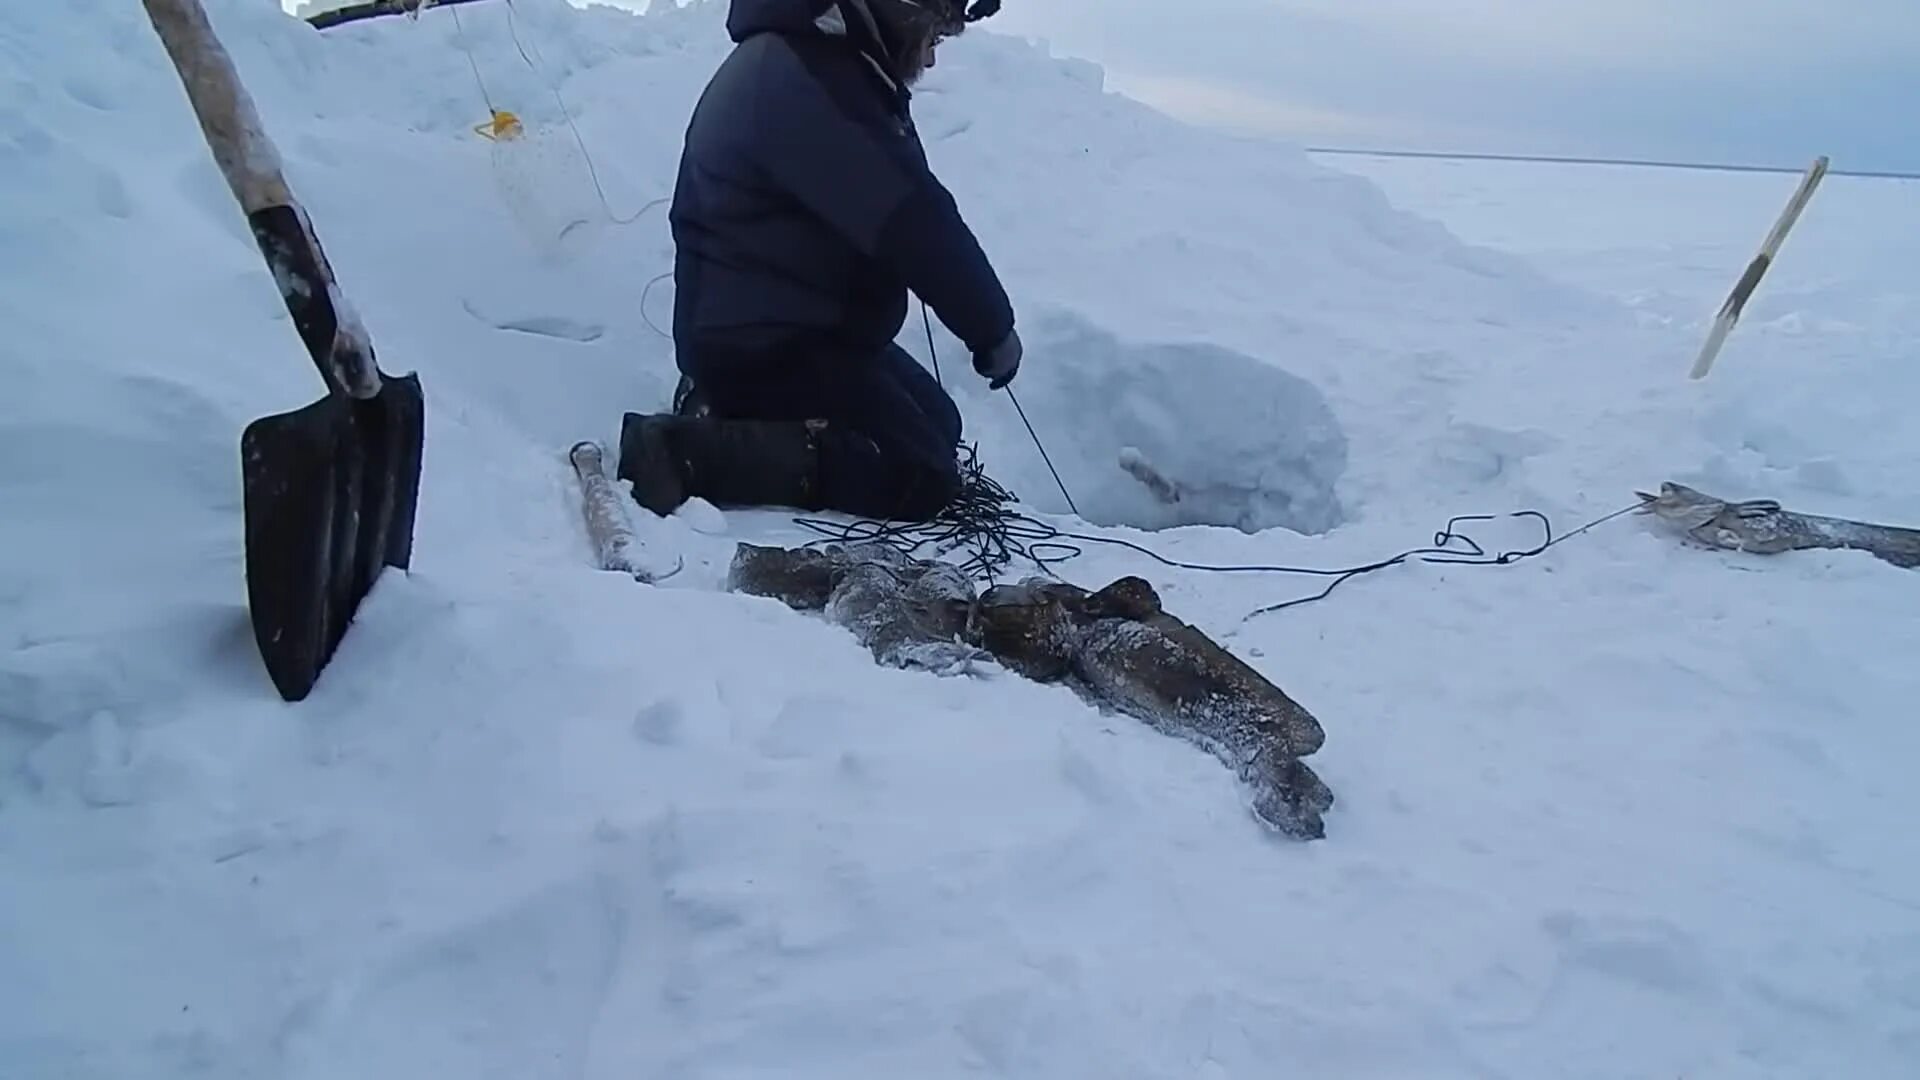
x,y
1442,552
982,521
501,122
1040,446
646,292
460,31
933,354
593,173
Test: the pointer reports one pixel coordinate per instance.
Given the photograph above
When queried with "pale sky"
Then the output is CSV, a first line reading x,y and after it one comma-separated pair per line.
x,y
1773,82
1750,82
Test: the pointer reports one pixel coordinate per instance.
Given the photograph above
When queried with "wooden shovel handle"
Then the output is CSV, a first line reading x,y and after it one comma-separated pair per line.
x,y
227,116
335,340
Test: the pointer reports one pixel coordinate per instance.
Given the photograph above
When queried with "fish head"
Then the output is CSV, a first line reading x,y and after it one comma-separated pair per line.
x,y
1680,504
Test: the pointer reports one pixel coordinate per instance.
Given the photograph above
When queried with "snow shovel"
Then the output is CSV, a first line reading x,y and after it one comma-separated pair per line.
x,y
330,489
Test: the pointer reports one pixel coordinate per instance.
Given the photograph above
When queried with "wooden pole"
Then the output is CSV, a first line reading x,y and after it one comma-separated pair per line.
x,y
1749,281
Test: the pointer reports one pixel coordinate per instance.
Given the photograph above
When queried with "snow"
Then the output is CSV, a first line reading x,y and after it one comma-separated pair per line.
x,y
1627,809
1270,453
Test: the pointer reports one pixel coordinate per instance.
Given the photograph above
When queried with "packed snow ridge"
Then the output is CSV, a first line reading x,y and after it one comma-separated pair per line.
x,y
1624,810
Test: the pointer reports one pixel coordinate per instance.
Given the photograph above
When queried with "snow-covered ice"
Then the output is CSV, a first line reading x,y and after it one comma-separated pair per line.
x,y
1627,809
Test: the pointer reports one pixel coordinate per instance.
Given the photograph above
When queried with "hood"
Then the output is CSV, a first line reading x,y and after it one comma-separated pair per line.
x,y
746,18
833,18
847,19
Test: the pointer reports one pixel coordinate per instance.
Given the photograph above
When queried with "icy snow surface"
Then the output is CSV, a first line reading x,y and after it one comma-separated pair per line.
x,y
1627,810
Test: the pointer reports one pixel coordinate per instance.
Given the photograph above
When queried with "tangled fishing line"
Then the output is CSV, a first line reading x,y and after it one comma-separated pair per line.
x,y
982,521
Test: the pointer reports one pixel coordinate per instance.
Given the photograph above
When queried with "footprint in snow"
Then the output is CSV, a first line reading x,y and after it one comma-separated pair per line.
x,y
111,194
660,723
1653,954
88,91
558,327
952,129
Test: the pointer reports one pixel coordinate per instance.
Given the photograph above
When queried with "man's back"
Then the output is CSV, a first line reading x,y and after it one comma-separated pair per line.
x,y
804,209
803,214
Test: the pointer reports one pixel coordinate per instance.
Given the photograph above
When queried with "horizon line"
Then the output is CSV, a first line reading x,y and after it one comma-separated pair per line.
x,y
1645,163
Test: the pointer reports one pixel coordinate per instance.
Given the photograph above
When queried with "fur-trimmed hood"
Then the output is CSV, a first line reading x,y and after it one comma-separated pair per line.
x,y
849,19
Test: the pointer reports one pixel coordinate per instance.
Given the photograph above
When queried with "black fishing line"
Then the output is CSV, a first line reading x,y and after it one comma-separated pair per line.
x,y
982,521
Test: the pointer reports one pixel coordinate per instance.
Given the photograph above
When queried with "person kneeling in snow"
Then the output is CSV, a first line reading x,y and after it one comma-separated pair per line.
x,y
803,213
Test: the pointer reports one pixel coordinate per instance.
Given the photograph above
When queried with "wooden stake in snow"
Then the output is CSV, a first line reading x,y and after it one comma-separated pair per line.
x,y
1749,281
604,510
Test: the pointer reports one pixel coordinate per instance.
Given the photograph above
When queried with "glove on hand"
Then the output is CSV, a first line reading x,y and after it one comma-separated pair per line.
x,y
1001,363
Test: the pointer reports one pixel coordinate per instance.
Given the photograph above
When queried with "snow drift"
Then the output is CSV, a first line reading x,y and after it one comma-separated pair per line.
x,y
1621,811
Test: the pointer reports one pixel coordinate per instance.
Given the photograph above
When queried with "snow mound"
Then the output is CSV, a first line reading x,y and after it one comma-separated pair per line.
x,y
1236,440
1152,242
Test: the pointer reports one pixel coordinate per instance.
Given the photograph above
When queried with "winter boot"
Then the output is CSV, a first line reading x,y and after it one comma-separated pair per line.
x,y
670,459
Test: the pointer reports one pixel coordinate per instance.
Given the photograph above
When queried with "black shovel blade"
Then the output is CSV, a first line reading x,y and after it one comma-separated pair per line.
x,y
330,495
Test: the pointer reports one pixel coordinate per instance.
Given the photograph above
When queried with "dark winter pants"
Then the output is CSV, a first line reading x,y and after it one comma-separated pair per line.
x,y
889,449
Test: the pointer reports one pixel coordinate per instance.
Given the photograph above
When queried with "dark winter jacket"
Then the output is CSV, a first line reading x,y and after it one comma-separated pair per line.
x,y
804,210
